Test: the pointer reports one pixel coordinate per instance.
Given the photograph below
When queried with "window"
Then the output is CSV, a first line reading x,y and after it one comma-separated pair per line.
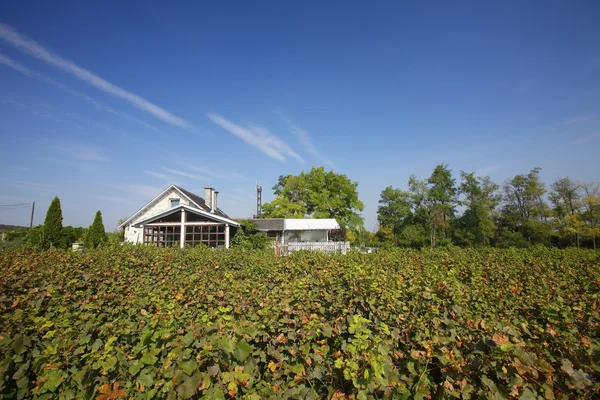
x,y
174,202
163,236
210,235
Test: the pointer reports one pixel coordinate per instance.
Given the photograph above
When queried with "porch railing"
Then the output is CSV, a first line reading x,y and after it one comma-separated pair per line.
x,y
326,247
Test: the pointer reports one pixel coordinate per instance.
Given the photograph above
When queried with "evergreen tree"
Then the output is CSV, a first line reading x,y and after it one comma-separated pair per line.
x,y
53,223
96,236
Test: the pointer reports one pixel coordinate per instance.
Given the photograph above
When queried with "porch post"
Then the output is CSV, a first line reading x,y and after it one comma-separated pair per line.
x,y
226,236
182,233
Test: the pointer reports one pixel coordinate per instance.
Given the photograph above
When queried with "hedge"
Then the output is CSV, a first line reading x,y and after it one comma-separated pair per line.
x,y
139,322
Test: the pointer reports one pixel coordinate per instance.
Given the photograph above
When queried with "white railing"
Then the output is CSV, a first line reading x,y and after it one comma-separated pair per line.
x,y
326,247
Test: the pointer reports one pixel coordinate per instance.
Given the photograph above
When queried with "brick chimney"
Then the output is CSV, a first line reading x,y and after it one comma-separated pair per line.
x,y
214,203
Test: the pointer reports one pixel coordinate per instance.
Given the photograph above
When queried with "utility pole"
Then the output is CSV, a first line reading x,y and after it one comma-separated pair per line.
x,y
32,210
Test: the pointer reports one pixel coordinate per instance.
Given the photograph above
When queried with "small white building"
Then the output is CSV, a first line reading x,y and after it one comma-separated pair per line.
x,y
178,218
302,234
289,230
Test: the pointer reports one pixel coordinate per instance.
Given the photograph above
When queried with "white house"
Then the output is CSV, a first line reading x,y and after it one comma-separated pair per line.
x,y
177,217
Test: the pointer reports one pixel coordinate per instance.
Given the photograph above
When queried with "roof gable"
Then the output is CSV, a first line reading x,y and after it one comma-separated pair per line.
x,y
196,201
198,211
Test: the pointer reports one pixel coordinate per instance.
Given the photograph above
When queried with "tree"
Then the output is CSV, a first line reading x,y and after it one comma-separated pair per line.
x,y
246,237
52,224
476,225
566,199
524,207
591,210
395,210
96,236
316,194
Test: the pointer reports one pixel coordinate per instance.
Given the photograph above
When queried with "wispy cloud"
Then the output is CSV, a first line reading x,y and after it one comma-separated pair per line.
x,y
228,175
183,173
39,113
32,74
83,152
258,137
35,186
111,199
485,171
12,166
304,139
32,48
144,191
159,175
586,138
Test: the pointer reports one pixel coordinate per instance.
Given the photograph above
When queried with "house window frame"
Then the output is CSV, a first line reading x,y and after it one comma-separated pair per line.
x,y
171,200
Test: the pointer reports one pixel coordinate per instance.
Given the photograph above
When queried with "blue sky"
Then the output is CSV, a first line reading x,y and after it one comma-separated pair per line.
x,y
106,103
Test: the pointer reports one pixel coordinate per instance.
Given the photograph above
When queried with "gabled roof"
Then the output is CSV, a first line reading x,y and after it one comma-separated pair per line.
x,y
199,201
175,209
196,200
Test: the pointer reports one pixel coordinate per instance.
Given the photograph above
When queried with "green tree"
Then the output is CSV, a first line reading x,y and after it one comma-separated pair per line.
x,y
591,210
524,207
96,236
316,194
395,210
566,200
52,224
476,225
246,237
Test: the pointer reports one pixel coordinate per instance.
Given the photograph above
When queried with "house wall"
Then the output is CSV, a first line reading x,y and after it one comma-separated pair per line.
x,y
136,235
305,236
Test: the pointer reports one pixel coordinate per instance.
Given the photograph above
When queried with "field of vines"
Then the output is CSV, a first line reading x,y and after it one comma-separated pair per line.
x,y
143,323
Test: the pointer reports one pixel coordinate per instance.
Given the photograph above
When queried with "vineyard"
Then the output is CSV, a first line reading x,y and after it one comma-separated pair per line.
x,y
137,322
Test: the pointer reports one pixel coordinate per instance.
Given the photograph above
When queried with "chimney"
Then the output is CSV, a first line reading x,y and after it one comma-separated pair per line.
x,y
214,203
208,197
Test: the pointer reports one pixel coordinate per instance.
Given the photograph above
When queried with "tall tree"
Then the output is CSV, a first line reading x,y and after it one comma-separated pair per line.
x,y
96,235
53,223
591,210
476,225
442,193
316,194
566,199
524,207
424,210
395,210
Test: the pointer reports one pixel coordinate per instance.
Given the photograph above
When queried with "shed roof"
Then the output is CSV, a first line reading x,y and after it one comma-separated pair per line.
x,y
311,224
292,224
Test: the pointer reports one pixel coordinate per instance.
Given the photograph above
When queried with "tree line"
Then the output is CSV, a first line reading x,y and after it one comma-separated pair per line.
x,y
441,211
475,211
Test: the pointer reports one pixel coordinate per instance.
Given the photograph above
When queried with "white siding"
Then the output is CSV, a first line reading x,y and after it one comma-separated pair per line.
x,y
305,236
163,203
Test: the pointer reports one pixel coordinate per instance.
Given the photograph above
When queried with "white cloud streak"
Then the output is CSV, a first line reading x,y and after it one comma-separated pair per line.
x,y
158,175
32,48
585,139
144,191
83,152
258,137
183,173
32,74
305,140
230,176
